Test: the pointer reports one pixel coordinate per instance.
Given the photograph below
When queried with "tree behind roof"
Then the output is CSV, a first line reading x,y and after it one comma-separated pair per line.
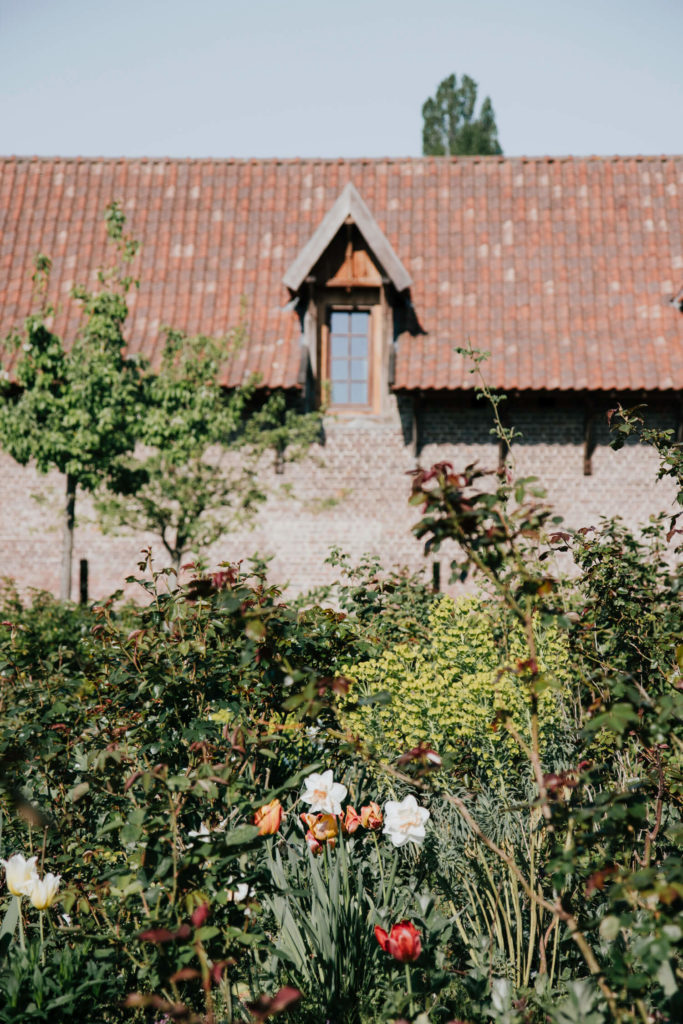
x,y
449,126
74,409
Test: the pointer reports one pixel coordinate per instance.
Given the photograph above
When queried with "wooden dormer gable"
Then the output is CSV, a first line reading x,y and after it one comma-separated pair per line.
x,y
348,262
349,231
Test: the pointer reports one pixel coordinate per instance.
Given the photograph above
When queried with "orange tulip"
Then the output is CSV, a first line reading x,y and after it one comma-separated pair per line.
x,y
371,817
402,942
325,827
322,828
351,822
268,818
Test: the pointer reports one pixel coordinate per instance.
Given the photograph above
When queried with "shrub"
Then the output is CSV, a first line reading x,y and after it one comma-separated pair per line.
x,y
447,692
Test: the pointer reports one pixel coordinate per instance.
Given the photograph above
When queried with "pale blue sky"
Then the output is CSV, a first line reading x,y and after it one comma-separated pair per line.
x,y
268,78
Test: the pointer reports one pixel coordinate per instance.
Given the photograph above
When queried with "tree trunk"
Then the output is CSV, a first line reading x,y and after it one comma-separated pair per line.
x,y
68,538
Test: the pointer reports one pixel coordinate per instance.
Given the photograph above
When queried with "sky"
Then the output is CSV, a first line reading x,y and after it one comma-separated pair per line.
x,y
258,78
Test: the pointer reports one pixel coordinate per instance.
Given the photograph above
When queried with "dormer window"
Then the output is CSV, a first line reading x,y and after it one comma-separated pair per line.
x,y
347,281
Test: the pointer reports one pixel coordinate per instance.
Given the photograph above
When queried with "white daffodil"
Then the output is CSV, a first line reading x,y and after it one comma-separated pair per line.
x,y
43,891
404,821
323,793
19,874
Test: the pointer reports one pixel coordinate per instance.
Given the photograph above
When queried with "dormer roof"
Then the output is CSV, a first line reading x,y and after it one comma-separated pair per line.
x,y
349,206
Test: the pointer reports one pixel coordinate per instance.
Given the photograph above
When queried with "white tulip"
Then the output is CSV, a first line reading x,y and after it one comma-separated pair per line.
x,y
404,821
19,874
202,833
323,793
240,893
43,891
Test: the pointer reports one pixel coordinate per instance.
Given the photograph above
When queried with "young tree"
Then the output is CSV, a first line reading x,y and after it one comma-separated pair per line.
x,y
86,409
197,473
74,409
449,126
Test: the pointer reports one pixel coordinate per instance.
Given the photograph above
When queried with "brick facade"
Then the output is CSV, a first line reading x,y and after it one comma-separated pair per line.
x,y
352,492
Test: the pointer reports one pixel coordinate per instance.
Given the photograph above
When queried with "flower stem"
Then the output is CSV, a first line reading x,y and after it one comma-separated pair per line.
x,y
381,869
22,940
409,989
42,939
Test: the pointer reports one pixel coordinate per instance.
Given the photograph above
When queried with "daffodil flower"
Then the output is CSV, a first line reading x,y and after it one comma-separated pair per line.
x,y
404,821
323,793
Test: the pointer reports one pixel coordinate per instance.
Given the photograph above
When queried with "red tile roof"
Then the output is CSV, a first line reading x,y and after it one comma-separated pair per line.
x,y
562,268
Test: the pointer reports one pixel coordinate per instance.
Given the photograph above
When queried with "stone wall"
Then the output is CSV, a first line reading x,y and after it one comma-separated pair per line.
x,y
352,492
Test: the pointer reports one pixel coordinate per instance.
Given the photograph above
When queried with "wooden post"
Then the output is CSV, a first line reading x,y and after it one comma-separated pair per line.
x,y
436,577
67,537
417,424
588,443
83,581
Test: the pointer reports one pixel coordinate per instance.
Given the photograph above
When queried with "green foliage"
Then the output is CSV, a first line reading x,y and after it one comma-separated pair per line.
x,y
627,423
65,987
324,917
449,125
610,823
172,451
136,743
178,485
451,690
74,409
199,470
113,754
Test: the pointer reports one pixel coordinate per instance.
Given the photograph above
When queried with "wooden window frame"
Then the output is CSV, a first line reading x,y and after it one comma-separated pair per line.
x,y
353,304
363,407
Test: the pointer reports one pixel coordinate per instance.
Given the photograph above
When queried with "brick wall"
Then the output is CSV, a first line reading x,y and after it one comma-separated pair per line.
x,y
352,492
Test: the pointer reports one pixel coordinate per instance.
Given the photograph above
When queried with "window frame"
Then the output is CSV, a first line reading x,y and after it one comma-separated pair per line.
x,y
331,307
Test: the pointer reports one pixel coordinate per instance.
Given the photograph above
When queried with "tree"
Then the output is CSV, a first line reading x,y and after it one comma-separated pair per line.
x,y
449,127
197,473
171,452
74,409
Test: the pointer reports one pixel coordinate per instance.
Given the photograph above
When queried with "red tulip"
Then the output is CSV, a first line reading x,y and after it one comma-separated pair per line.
x,y
351,822
268,818
314,846
402,942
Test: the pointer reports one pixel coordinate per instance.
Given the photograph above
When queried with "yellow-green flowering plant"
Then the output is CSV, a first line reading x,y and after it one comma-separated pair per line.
x,y
449,691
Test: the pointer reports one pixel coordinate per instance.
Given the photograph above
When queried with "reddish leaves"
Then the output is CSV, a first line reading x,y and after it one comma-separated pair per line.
x,y
164,935
266,1006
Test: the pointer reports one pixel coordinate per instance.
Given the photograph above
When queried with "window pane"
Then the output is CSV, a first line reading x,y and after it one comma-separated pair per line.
x,y
359,323
339,322
340,369
339,346
359,348
359,369
340,393
359,393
